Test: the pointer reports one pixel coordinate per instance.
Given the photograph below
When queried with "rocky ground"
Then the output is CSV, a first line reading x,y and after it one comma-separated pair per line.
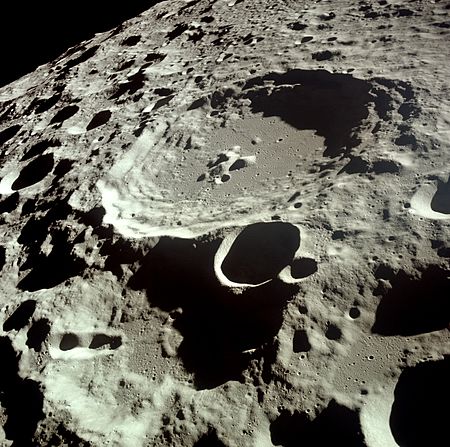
x,y
226,223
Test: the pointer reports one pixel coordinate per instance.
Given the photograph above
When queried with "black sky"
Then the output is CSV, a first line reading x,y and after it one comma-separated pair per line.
x,y
35,32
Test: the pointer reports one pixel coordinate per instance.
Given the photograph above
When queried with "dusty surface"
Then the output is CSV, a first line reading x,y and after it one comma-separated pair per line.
x,y
227,223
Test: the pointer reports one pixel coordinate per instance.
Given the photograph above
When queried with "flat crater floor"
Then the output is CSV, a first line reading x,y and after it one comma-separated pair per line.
x,y
239,173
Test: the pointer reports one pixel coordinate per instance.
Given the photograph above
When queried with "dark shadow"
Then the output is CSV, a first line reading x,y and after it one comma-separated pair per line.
x,y
209,440
217,325
65,113
41,105
121,252
69,341
99,119
334,105
10,203
2,258
419,415
49,271
301,341
59,437
178,30
414,305
385,167
37,334
356,165
41,31
61,263
34,172
441,199
39,148
8,133
333,332
83,57
63,167
303,267
260,252
131,41
20,317
100,340
335,426
21,398
134,83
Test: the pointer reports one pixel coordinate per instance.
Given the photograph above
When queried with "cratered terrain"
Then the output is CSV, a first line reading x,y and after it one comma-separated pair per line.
x,y
227,223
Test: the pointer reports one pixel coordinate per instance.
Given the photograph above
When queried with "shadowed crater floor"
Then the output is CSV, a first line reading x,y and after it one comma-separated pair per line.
x,y
217,326
419,413
332,104
260,252
415,305
336,425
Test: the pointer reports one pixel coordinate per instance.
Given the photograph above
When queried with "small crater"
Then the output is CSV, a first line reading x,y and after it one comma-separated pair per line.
x,y
41,105
297,26
155,58
301,342
162,91
333,332
407,140
21,316
37,334
322,55
356,165
64,114
163,102
39,148
34,172
238,164
9,204
384,271
303,267
83,57
338,235
131,41
385,166
294,196
200,102
102,340
134,83
125,65
207,19
99,119
179,29
63,167
69,341
403,12
9,133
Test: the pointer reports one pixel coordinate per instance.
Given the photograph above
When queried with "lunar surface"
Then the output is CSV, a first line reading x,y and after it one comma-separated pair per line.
x,y
227,223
